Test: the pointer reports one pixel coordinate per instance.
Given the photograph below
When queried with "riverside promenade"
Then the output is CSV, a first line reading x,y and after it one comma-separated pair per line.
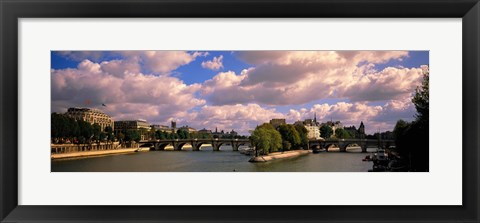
x,y
279,155
95,153
68,151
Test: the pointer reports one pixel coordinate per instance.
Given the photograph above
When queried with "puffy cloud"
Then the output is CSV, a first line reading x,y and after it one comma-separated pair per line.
x,y
242,100
161,62
120,67
129,95
390,83
375,117
298,77
241,118
156,62
214,64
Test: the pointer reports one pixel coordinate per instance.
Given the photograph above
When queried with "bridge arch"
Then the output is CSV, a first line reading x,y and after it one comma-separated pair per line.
x,y
179,146
236,145
356,144
216,145
329,145
161,146
149,145
197,146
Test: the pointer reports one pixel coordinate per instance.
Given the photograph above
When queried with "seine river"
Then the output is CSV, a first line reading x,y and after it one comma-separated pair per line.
x,y
207,160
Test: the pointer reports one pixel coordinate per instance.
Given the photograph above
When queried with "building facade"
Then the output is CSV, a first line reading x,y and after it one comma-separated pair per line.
x,y
188,129
92,116
313,131
312,126
352,130
334,125
163,128
277,122
205,131
140,125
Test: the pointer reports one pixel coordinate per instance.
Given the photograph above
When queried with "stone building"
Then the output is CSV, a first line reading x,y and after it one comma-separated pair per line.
x,y
162,128
356,133
313,131
352,131
277,122
312,126
205,131
92,116
140,125
334,125
361,131
188,129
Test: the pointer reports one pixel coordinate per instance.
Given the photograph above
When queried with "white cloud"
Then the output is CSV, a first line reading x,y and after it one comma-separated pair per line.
x,y
241,101
375,117
240,118
161,62
120,67
298,77
390,83
214,64
156,62
130,95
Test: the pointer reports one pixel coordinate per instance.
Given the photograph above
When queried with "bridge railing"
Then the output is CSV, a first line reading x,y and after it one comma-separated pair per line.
x,y
197,140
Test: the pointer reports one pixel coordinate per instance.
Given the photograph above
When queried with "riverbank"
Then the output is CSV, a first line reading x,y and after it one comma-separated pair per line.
x,y
279,155
95,153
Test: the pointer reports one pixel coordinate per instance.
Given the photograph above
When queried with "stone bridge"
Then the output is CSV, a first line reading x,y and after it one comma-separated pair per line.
x,y
195,143
344,143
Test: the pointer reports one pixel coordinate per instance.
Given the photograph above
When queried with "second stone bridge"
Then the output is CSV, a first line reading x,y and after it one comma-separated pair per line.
x,y
342,144
178,144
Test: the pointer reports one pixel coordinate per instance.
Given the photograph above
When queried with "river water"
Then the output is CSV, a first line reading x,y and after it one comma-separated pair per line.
x,y
208,160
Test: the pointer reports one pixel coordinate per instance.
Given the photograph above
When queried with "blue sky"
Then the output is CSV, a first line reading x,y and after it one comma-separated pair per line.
x,y
236,90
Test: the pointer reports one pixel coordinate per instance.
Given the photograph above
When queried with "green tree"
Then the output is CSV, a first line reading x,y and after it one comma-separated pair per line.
x,y
58,125
151,133
326,131
109,132
132,135
85,129
102,136
286,145
183,134
96,131
412,139
266,126
342,134
421,100
63,127
275,140
290,135
120,136
160,134
259,138
266,139
303,133
400,132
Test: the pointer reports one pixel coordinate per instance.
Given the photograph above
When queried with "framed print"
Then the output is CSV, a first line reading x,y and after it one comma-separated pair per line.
x,y
239,111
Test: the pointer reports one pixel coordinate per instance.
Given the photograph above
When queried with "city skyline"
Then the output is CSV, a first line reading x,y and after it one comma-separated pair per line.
x,y
240,89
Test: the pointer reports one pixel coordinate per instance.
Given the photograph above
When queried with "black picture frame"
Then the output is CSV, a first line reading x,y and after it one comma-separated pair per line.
x,y
11,11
